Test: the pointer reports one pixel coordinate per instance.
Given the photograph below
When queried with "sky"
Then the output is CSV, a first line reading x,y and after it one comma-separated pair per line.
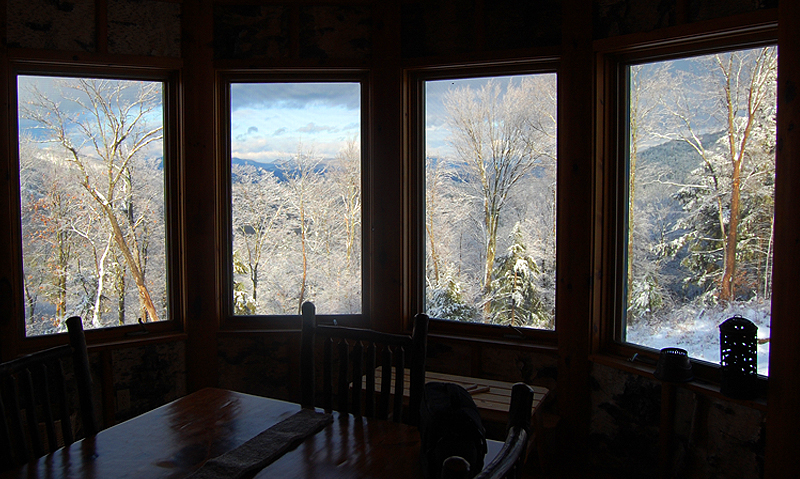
x,y
270,120
436,133
59,89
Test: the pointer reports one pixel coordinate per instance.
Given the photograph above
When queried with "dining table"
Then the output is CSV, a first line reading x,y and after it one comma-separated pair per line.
x,y
175,440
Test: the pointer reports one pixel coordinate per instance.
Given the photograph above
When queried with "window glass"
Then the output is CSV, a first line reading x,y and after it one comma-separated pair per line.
x,y
490,199
701,140
92,201
296,197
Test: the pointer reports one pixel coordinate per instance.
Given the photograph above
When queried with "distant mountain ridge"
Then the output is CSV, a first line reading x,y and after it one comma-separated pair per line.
x,y
678,156
280,169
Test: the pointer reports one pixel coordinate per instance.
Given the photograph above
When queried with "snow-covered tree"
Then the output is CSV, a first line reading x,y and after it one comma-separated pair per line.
x,y
257,218
500,135
102,127
48,239
308,202
728,203
243,303
446,299
647,86
516,297
345,174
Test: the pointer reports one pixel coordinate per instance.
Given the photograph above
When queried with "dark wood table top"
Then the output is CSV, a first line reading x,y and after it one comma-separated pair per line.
x,y
176,439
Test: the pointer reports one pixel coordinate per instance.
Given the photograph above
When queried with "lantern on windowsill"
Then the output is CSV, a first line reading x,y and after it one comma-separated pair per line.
x,y
738,358
674,366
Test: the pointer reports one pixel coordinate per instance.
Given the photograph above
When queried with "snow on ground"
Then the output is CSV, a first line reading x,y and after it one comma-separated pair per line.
x,y
696,330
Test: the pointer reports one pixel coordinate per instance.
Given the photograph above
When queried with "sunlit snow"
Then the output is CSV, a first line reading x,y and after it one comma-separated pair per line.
x,y
697,330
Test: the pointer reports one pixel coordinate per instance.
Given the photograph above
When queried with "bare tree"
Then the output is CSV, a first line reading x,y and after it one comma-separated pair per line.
x,y
647,86
86,227
103,125
434,184
257,209
748,81
345,173
447,210
53,235
304,184
501,135
738,93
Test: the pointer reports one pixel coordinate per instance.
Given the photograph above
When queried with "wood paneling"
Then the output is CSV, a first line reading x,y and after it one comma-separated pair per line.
x,y
573,270
383,241
199,243
783,416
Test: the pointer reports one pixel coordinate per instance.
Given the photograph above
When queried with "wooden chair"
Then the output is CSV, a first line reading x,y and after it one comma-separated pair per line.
x,y
34,399
357,350
511,458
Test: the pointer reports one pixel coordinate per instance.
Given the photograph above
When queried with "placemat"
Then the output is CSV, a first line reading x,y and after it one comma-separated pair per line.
x,y
265,448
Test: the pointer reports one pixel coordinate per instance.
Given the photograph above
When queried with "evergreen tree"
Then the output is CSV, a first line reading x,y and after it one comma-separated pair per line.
x,y
515,298
446,300
243,303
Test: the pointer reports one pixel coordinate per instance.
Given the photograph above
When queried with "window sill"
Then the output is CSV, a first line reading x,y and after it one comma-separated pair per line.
x,y
285,323
698,386
136,341
526,344
109,338
235,333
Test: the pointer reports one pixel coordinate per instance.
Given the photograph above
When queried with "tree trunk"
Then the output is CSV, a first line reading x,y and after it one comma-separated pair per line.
x,y
138,278
254,280
727,290
491,251
304,253
101,273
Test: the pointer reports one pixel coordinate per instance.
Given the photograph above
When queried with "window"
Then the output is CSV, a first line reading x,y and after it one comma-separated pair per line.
x,y
700,187
490,199
92,201
295,159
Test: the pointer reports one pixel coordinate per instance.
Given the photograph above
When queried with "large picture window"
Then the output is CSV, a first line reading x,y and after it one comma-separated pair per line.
x,y
490,199
92,198
701,173
295,153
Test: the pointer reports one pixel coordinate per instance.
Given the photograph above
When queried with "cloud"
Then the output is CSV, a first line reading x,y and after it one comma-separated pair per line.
x,y
434,122
314,128
251,132
322,115
269,149
295,95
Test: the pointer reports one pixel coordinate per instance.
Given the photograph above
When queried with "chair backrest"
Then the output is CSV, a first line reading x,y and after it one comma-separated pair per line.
x,y
34,400
357,350
509,460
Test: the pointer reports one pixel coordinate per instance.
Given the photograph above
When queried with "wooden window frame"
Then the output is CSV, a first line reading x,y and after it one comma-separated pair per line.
x,y
166,71
260,322
415,78
612,58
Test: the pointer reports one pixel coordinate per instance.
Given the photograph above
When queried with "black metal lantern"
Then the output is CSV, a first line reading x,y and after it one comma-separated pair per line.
x,y
738,358
674,366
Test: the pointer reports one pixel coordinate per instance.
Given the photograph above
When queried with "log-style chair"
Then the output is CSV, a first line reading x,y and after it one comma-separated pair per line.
x,y
34,399
357,350
511,458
